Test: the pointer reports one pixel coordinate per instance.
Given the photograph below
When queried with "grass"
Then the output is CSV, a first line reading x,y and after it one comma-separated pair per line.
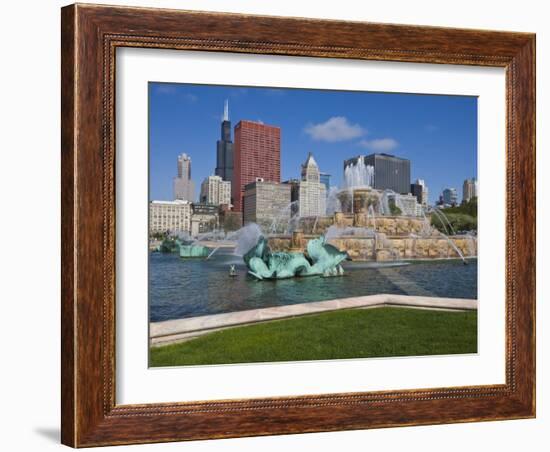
x,y
354,333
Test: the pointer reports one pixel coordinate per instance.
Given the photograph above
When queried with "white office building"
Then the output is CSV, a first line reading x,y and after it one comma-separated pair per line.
x,y
312,192
215,190
169,216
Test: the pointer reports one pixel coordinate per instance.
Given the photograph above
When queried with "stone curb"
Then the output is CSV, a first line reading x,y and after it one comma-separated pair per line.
x,y
170,331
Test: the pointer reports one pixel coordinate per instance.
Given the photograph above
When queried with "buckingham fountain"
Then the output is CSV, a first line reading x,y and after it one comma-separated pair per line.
x,y
371,225
361,224
369,242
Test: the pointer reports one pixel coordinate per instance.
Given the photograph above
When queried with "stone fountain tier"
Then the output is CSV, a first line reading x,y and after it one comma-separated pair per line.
x,y
382,247
359,199
390,225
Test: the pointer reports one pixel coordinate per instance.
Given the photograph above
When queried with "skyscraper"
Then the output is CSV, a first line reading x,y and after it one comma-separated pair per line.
x,y
469,189
224,148
216,191
184,188
450,196
390,172
325,180
257,156
312,192
420,190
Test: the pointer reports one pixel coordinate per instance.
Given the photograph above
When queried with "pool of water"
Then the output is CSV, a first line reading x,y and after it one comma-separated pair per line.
x,y
180,288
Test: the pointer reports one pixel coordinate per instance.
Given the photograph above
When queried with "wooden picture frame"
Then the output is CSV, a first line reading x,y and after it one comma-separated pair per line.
x,y
90,36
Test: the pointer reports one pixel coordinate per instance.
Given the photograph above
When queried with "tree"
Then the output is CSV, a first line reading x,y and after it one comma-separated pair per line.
x,y
458,221
394,210
468,208
232,221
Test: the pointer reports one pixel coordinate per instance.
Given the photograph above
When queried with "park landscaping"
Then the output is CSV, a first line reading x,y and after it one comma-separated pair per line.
x,y
344,334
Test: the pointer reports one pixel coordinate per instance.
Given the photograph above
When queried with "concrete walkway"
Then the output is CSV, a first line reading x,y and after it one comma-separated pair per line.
x,y
171,331
405,284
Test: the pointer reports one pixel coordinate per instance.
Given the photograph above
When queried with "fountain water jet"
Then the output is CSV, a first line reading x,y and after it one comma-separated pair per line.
x,y
442,217
359,174
246,238
289,214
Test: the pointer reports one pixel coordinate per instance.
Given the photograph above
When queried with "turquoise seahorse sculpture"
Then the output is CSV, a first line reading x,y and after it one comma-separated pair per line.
x,y
321,259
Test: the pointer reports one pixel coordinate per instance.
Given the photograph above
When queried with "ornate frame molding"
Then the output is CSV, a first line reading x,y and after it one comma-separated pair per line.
x,y
90,37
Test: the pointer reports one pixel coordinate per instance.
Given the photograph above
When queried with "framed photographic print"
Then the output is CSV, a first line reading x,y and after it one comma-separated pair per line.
x,y
281,225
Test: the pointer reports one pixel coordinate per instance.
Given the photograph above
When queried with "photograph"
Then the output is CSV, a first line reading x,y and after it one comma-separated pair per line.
x,y
292,224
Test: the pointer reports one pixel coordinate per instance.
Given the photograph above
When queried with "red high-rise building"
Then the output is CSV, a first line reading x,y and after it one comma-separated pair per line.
x,y
257,155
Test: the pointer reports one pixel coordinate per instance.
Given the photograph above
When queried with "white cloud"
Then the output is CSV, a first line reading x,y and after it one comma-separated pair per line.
x,y
335,129
379,144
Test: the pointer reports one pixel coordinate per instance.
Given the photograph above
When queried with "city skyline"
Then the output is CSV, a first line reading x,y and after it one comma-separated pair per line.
x,y
438,134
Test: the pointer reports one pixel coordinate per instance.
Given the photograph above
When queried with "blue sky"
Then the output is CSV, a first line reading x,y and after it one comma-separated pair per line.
x,y
437,133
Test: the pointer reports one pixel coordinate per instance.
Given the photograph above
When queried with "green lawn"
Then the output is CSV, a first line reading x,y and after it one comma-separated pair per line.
x,y
357,333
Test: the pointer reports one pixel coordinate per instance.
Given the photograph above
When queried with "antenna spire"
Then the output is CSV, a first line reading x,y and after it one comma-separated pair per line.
x,y
226,110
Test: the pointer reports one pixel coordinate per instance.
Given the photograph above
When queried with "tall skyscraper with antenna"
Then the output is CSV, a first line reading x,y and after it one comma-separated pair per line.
x,y
224,149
